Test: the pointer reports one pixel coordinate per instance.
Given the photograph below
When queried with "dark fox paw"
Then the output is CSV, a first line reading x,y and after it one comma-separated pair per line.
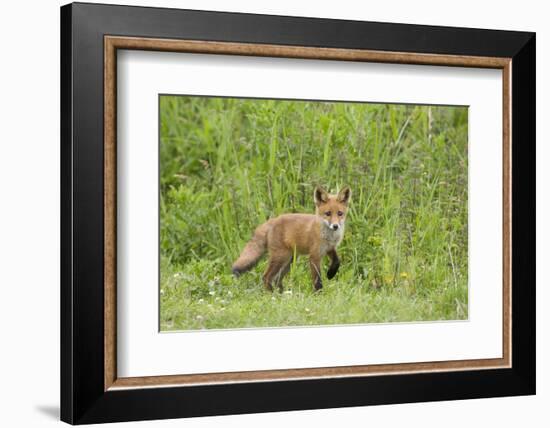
x,y
331,273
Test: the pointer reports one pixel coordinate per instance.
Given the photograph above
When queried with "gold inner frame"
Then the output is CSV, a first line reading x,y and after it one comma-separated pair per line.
x,y
112,43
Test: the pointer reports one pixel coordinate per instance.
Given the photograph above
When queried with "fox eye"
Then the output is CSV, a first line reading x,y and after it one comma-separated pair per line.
x,y
340,213
328,213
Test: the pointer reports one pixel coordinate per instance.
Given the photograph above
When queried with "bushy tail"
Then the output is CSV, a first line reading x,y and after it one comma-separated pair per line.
x,y
253,250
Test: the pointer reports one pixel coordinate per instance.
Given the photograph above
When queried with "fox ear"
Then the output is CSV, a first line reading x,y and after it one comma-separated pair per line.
x,y
344,195
320,195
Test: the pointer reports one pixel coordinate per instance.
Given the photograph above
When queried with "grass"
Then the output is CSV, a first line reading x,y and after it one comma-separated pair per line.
x,y
228,165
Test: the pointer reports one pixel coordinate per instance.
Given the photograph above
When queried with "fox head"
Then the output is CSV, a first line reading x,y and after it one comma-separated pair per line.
x,y
332,208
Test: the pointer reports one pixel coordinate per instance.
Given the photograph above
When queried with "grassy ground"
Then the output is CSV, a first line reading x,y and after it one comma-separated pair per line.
x,y
227,165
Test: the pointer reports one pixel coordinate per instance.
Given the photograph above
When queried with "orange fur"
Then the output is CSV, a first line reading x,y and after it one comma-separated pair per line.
x,y
315,235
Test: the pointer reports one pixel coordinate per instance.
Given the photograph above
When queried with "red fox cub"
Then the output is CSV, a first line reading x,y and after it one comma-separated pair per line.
x,y
315,235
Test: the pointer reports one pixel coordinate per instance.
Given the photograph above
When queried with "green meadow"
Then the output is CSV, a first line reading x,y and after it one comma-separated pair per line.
x,y
227,165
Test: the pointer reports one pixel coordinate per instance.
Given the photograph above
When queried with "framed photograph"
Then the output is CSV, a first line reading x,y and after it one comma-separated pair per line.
x,y
265,213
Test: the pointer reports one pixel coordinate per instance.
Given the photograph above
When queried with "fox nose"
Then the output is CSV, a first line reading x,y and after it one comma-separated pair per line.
x,y
335,227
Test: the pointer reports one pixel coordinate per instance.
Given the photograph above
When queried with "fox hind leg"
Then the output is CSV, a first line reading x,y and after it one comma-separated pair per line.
x,y
281,274
278,267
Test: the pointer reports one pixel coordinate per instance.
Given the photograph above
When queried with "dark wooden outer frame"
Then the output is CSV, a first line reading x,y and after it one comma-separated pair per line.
x,y
89,33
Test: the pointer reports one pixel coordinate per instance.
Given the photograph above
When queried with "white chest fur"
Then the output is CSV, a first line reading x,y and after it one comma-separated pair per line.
x,y
330,238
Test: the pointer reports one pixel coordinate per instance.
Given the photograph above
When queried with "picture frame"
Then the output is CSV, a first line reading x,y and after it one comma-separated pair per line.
x,y
91,391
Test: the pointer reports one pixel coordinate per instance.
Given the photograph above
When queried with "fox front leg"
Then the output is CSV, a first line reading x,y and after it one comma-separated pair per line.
x,y
315,267
334,264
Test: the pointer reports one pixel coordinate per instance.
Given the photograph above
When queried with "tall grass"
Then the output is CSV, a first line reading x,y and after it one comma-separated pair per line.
x,y
228,165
